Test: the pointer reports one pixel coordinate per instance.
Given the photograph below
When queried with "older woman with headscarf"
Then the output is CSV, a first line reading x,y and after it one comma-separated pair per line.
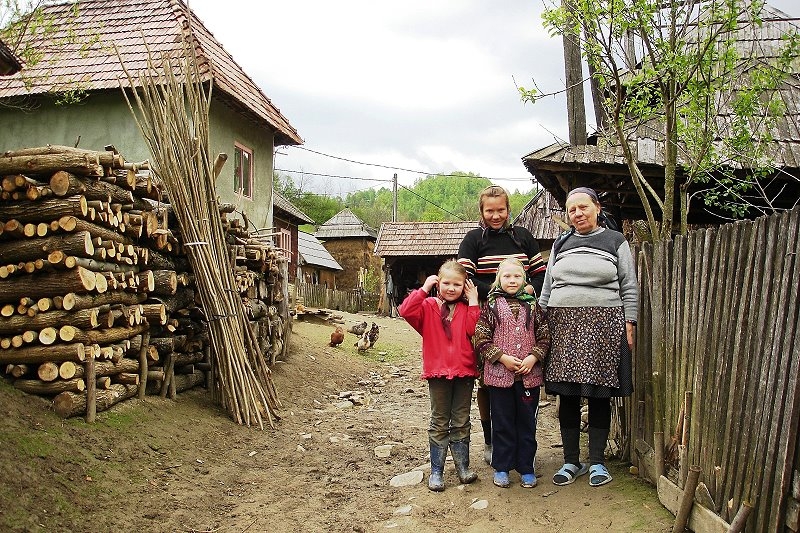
x,y
591,296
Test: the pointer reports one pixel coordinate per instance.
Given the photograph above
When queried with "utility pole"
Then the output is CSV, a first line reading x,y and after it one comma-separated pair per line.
x,y
394,198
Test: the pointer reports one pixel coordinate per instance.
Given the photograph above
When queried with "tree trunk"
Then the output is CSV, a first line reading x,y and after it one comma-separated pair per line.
x,y
34,386
86,164
41,354
109,368
47,371
576,110
68,404
79,244
46,210
54,283
107,336
83,319
75,302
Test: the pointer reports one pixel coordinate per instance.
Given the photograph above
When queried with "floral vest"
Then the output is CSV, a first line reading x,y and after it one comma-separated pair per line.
x,y
511,336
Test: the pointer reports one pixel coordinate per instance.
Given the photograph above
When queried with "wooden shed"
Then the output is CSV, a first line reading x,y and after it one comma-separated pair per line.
x,y
541,216
286,217
351,242
412,251
316,265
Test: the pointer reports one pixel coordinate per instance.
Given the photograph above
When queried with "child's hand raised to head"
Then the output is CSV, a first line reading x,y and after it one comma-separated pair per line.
x,y
471,292
430,283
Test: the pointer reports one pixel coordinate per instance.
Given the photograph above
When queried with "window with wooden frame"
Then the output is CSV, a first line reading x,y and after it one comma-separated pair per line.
x,y
286,243
243,170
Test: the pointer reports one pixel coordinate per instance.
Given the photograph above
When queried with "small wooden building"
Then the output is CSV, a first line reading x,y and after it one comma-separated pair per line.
x,y
412,251
316,265
351,242
286,217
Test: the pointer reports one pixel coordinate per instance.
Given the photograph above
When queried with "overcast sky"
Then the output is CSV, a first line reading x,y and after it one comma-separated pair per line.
x,y
423,85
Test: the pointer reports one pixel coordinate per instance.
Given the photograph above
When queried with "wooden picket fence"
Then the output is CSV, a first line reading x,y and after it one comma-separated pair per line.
x,y
718,332
319,296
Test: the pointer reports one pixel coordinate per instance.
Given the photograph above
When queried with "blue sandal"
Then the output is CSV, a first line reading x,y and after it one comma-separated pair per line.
x,y
598,475
569,473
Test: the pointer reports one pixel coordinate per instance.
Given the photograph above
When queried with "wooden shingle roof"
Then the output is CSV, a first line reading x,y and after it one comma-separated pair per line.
x,y
421,238
345,224
537,216
601,164
281,203
80,62
313,253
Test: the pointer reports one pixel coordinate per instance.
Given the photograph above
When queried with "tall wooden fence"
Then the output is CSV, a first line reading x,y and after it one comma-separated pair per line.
x,y
720,322
352,301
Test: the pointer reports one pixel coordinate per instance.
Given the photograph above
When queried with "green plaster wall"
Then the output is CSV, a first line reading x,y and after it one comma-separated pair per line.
x,y
104,118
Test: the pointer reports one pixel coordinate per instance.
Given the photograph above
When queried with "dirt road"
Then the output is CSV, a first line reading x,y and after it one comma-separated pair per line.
x,y
160,465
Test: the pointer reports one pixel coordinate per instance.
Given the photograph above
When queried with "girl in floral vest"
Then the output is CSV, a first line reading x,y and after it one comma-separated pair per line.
x,y
512,340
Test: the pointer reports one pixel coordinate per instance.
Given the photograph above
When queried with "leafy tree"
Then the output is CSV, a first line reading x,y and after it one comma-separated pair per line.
x,y
685,68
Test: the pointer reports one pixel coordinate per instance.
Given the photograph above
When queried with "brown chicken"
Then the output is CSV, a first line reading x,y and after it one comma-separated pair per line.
x,y
337,337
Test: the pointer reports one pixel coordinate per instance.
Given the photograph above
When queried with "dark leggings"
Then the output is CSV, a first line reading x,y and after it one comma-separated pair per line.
x,y
569,412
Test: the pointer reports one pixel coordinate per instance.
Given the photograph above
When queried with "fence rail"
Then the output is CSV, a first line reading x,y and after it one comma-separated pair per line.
x,y
720,321
352,301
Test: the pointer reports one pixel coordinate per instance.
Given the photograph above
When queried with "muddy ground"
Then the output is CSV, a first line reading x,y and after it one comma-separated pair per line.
x,y
184,466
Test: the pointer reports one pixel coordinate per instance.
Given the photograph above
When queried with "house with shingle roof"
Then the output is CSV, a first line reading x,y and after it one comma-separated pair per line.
x,y
352,243
244,123
286,219
316,265
601,163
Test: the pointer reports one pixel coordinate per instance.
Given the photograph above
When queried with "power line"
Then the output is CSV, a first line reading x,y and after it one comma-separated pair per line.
x,y
329,175
390,167
432,203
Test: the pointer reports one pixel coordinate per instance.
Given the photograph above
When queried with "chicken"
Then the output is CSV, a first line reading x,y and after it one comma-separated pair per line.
x,y
337,337
358,329
368,338
373,334
363,342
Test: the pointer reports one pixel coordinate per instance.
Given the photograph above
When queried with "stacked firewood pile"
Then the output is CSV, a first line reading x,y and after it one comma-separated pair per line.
x,y
97,299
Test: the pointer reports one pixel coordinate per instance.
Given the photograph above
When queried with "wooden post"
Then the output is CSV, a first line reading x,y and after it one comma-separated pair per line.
x,y
143,364
658,448
91,390
687,500
687,417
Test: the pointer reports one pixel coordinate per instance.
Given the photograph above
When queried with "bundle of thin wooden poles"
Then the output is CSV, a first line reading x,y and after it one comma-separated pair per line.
x,y
172,115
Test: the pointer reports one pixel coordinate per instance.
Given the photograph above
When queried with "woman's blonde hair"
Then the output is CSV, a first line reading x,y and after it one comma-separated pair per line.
x,y
508,261
493,191
452,266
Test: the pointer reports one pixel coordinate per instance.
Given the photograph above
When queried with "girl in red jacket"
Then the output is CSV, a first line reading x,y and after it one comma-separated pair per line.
x,y
447,323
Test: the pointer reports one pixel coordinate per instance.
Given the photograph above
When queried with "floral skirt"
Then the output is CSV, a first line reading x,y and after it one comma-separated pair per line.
x,y
589,353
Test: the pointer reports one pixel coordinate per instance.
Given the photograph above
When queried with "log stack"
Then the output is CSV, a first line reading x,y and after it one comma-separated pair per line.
x,y
92,270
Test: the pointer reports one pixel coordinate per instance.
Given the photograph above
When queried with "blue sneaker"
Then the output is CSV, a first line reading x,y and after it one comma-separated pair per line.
x,y
501,479
528,481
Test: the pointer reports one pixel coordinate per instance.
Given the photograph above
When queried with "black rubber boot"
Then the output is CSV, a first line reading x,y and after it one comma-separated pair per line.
x,y
460,451
438,455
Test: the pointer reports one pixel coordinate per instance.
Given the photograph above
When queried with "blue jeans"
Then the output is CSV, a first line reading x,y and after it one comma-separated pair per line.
x,y
450,404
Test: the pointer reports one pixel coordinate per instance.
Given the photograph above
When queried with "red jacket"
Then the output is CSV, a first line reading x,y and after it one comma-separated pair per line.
x,y
442,357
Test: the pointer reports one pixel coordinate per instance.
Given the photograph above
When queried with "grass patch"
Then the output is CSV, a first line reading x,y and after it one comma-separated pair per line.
x,y
384,353
28,445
